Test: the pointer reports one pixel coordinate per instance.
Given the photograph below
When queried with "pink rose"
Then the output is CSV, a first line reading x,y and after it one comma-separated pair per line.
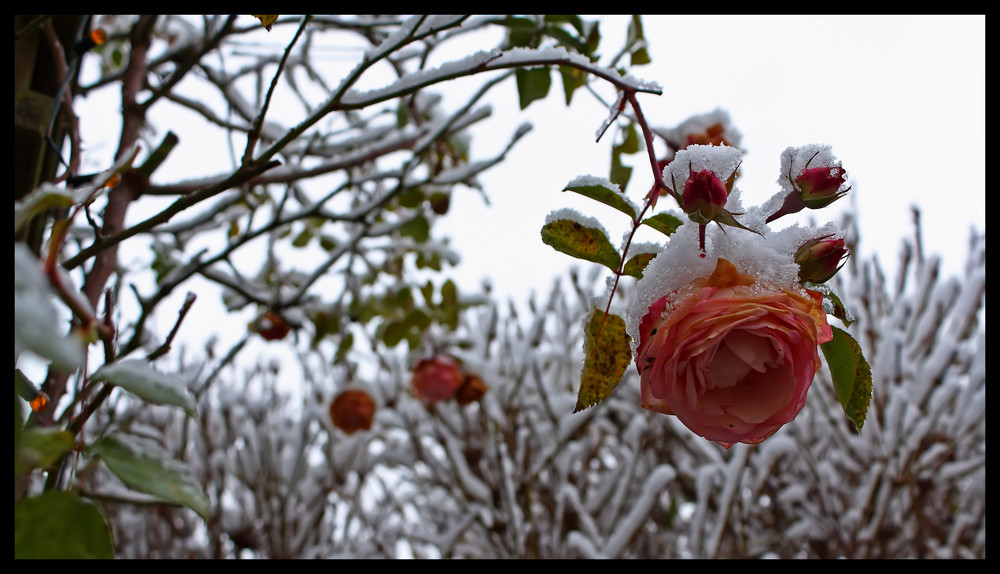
x,y
731,361
436,378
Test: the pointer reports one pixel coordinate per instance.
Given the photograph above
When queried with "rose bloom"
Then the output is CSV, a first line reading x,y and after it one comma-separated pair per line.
x,y
436,378
352,410
732,362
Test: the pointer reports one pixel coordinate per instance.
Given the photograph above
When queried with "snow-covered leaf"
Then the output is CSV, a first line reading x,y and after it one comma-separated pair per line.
x,y
147,468
580,241
137,377
604,192
36,322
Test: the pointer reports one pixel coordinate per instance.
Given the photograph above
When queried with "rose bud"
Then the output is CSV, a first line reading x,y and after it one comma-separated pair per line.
x,y
704,196
732,358
820,186
473,388
352,410
821,259
436,379
813,187
271,326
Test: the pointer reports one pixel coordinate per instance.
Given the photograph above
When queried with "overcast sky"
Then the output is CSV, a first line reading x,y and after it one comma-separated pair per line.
x,y
900,98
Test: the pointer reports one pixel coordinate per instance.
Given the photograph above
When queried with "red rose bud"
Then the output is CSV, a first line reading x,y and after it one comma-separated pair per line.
x,y
271,326
473,388
352,410
436,379
820,259
704,196
820,186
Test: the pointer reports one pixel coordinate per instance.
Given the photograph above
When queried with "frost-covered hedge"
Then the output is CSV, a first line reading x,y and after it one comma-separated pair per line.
x,y
517,474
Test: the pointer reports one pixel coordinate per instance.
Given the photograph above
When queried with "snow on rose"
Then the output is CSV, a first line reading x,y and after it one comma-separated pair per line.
x,y
729,342
733,362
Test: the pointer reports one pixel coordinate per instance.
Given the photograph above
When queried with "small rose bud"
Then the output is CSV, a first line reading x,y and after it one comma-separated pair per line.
x,y
436,379
820,259
820,186
473,388
271,326
704,196
817,185
352,410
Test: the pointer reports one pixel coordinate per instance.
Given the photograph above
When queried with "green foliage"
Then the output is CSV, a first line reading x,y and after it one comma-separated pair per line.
x,y
665,223
636,264
638,56
852,377
532,84
605,195
60,525
582,242
839,311
621,173
607,353
135,376
144,467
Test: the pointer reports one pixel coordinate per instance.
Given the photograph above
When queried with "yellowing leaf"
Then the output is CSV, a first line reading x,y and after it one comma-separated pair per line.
x,y
608,352
266,20
580,241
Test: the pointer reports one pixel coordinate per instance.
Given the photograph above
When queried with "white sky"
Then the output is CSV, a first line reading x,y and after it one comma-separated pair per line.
x,y
900,98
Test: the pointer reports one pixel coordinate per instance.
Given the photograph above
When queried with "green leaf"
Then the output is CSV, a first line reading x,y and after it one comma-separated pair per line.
x,y
137,377
393,333
449,304
145,467
580,241
630,144
302,239
640,57
346,342
607,353
639,54
665,223
726,218
532,84
605,195
37,325
839,311
572,78
636,264
411,197
57,524
40,447
620,173
852,377
418,228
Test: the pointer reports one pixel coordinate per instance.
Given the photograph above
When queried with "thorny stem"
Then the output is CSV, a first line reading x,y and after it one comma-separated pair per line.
x,y
658,186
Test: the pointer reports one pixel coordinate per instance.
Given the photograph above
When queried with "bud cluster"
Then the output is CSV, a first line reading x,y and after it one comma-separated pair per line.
x,y
440,378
